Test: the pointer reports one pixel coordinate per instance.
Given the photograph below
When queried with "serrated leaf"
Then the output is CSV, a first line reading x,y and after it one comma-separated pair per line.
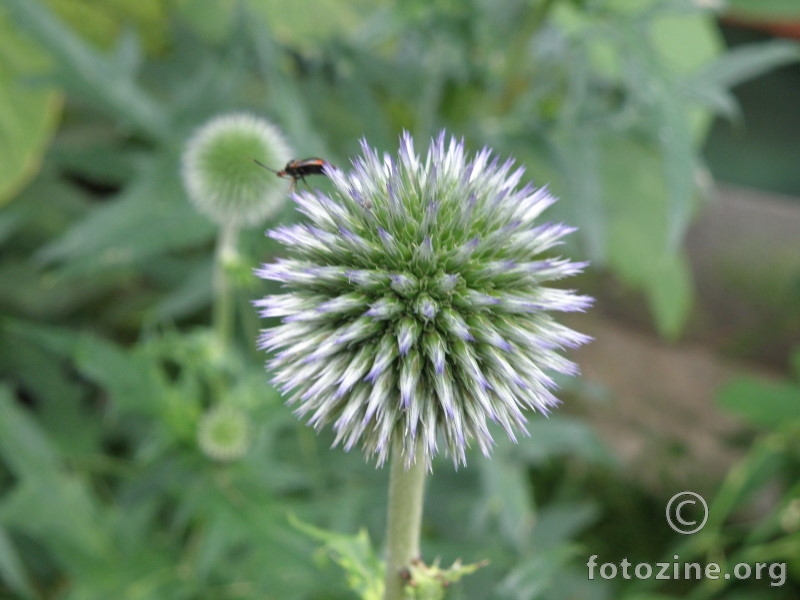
x,y
674,128
88,72
639,230
151,217
743,63
354,554
128,381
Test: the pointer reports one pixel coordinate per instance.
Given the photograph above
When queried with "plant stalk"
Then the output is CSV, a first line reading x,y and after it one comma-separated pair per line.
x,y
223,292
404,520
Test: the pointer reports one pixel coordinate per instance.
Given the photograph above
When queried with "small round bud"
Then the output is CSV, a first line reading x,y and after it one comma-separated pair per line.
x,y
223,434
220,175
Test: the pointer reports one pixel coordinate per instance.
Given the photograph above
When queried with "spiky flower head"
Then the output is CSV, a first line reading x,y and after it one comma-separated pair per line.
x,y
219,174
223,433
415,307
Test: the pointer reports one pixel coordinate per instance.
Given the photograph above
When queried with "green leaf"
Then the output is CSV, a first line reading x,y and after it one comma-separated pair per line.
x,y
765,403
81,68
536,574
128,53
24,447
192,292
286,99
766,459
743,63
44,494
354,554
152,216
130,383
686,37
12,573
559,436
38,505
579,151
560,522
670,294
101,23
129,380
638,233
508,495
653,70
28,112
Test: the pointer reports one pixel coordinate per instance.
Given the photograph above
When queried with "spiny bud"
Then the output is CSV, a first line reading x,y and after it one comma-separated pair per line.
x,y
221,177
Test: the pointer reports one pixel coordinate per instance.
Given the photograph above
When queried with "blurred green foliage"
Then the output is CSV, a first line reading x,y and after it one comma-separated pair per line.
x,y
105,275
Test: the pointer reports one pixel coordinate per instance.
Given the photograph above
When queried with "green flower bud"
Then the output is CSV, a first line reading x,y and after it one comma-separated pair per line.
x,y
221,177
223,434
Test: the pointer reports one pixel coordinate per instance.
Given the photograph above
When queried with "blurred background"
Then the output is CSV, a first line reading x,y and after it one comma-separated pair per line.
x,y
670,129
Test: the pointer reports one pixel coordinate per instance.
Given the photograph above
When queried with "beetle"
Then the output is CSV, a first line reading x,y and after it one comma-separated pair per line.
x,y
298,168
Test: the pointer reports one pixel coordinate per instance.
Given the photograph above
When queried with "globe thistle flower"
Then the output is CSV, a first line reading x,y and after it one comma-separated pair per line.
x,y
223,434
415,307
219,174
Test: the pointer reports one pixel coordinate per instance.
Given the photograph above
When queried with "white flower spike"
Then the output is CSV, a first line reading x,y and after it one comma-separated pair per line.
x,y
415,307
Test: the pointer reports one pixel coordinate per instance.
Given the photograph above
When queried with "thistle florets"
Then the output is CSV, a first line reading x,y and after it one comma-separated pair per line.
x,y
414,306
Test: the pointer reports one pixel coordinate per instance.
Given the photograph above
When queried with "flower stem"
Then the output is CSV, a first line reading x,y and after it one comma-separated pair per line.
x,y
223,293
404,520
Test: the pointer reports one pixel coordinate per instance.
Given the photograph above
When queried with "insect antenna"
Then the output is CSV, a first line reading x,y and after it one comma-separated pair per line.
x,y
260,164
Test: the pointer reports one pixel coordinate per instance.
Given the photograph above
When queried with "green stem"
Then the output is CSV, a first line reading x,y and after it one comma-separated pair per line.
x,y
404,521
223,292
